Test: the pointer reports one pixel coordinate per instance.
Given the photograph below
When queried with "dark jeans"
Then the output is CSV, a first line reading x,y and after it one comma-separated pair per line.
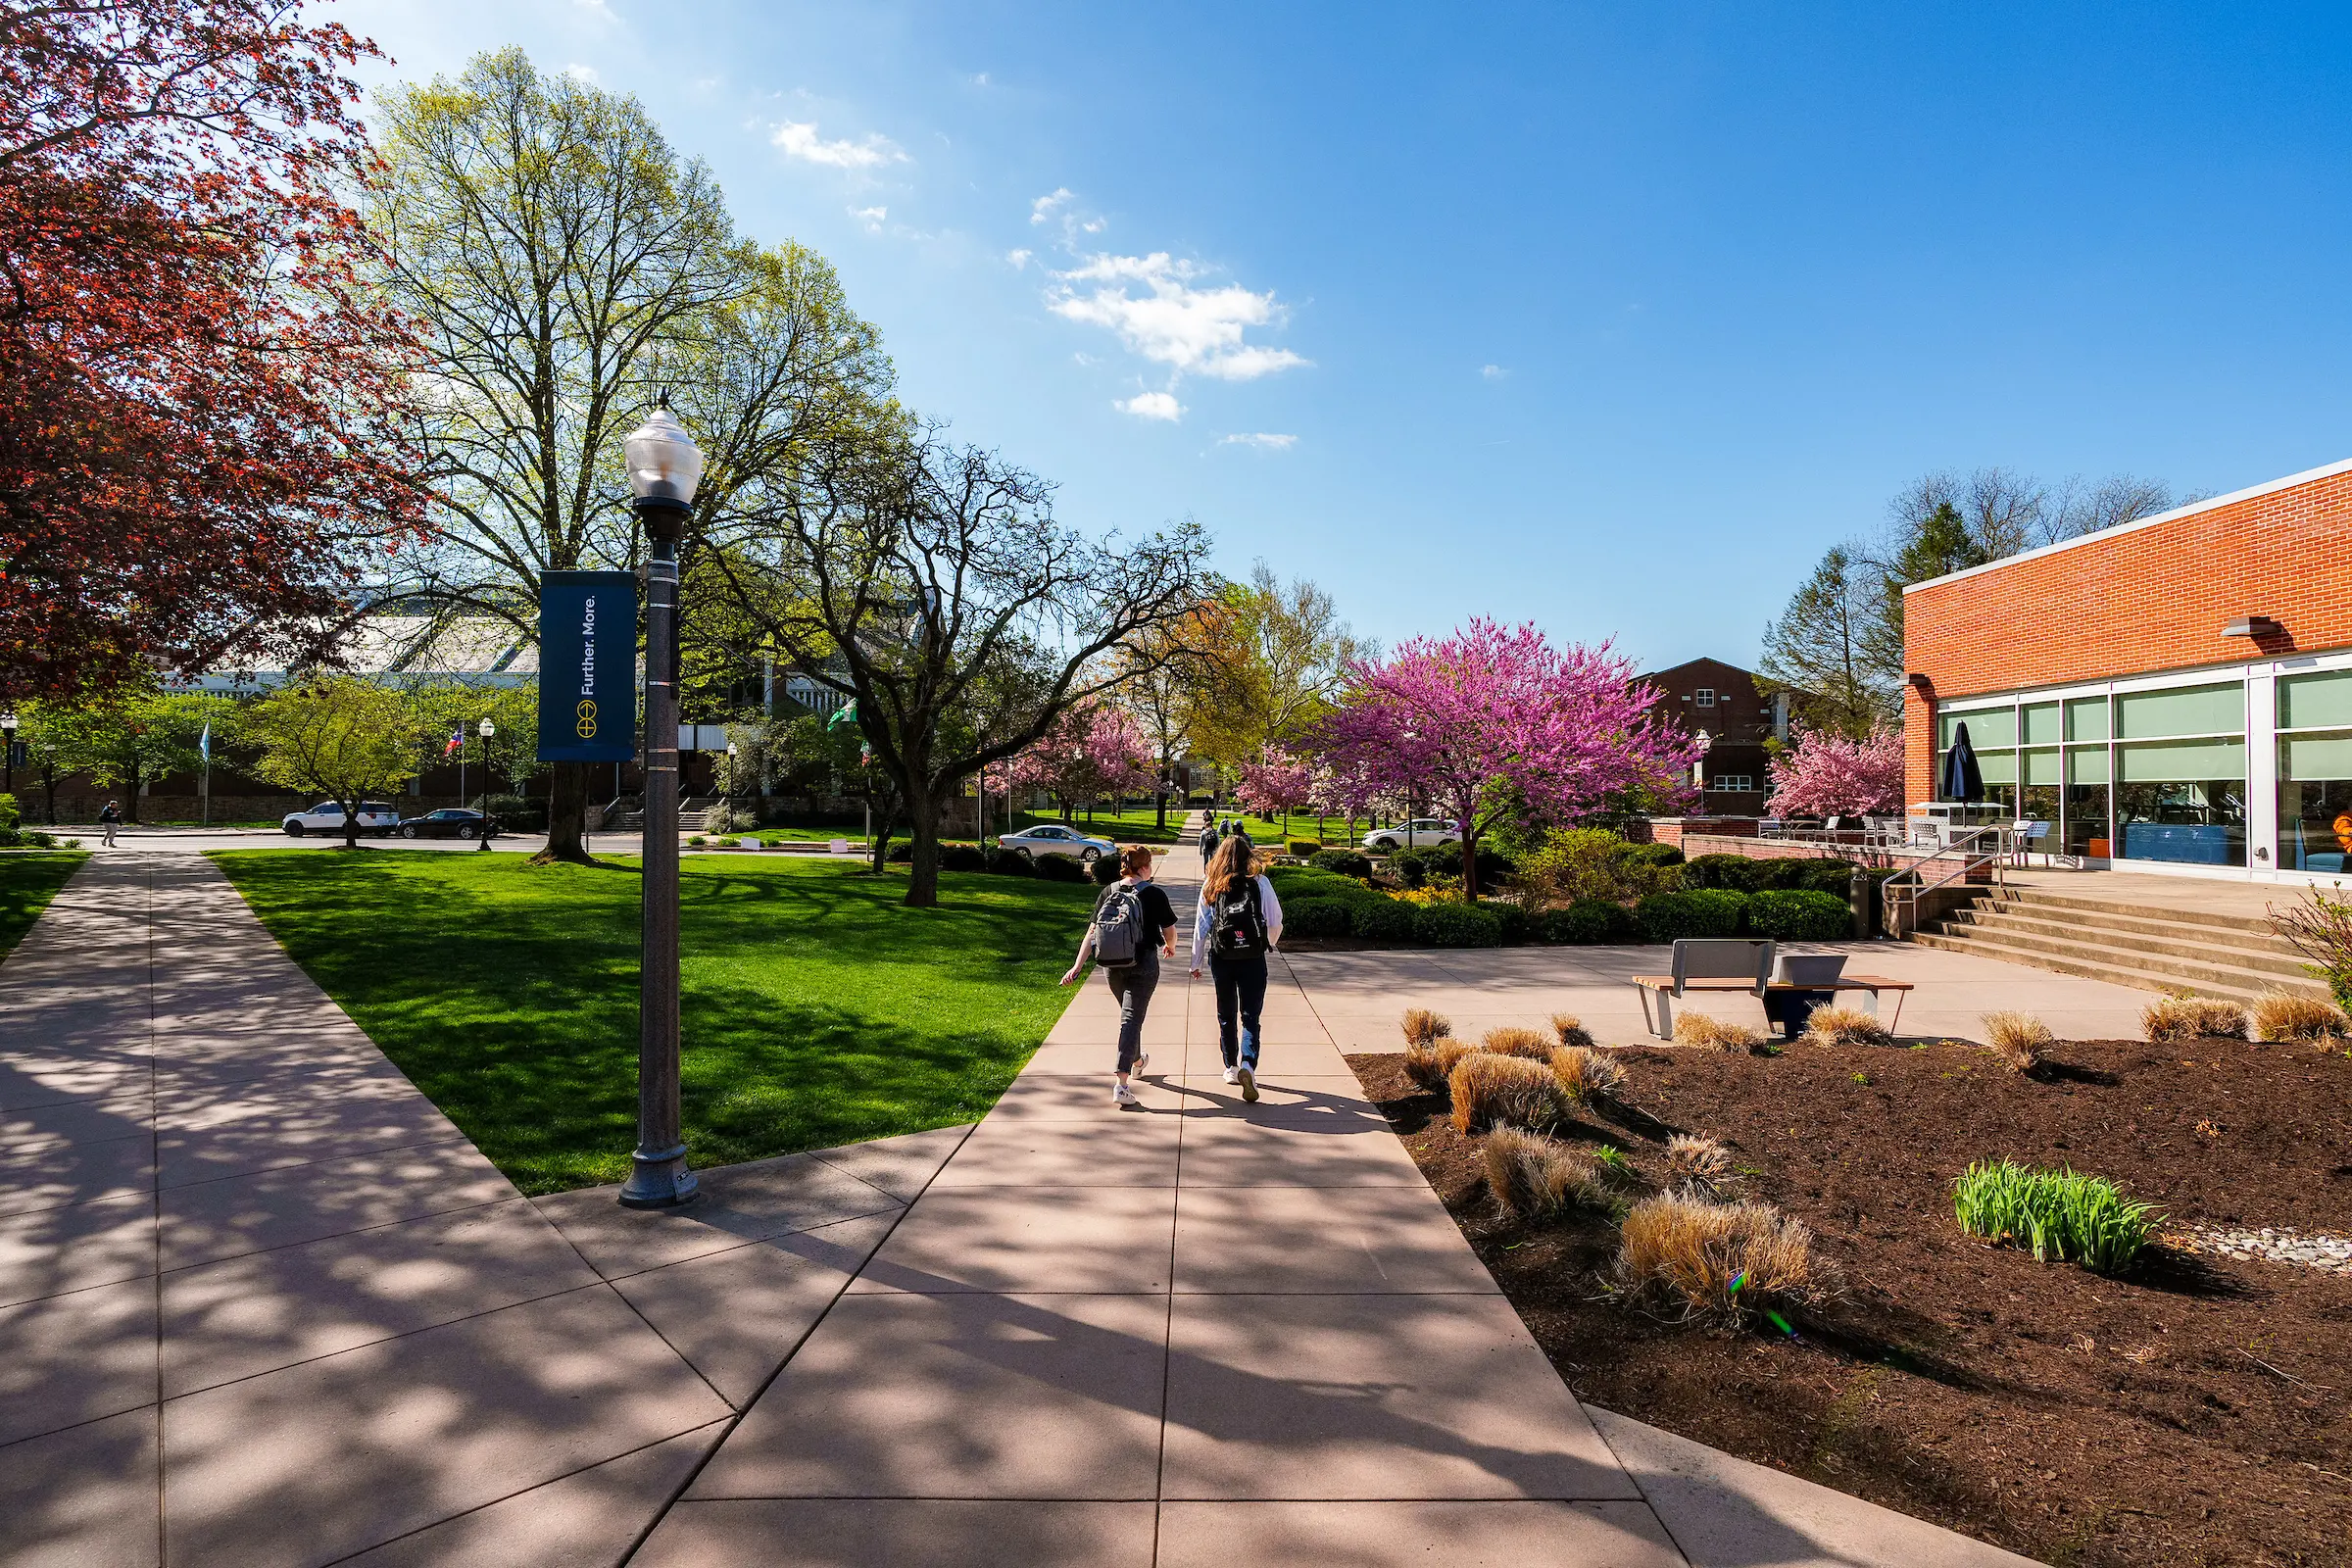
x,y
1133,985
1241,989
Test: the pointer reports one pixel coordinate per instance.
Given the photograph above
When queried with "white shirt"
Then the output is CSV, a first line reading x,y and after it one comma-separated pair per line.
x,y
1206,915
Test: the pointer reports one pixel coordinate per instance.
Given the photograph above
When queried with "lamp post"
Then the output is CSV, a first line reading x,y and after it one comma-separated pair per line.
x,y
664,466
1698,769
8,750
730,778
486,729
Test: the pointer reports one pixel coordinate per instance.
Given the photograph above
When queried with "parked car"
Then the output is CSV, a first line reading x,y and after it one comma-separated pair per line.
x,y
452,824
327,818
1422,833
1052,838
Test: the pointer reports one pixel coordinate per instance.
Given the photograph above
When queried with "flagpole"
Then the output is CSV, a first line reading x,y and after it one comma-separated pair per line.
x,y
206,791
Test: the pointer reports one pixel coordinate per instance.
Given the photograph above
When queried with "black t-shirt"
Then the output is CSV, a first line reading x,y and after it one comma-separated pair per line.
x,y
1160,915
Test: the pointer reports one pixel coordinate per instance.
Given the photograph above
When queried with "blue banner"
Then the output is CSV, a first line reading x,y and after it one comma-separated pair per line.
x,y
587,667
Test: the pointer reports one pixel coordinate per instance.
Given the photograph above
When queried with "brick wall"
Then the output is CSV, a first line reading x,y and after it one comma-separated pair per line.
x,y
2133,601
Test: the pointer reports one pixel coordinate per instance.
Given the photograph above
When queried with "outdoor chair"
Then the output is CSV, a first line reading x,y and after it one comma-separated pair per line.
x,y
2026,837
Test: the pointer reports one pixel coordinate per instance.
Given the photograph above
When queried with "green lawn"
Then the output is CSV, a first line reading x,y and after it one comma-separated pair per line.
x,y
1328,830
28,880
817,1010
1136,824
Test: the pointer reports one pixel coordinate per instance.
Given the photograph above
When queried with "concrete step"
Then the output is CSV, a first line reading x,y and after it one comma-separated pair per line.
x,y
2109,904
2122,965
2028,924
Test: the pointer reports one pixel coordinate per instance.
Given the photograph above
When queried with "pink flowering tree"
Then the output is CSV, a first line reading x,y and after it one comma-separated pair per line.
x,y
1276,784
1089,755
1826,774
1495,711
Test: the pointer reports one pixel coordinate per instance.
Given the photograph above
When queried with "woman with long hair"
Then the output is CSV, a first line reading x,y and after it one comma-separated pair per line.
x,y
1137,908
1240,922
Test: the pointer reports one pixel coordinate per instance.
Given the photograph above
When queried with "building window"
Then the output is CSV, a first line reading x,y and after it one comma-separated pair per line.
x,y
1705,697
2315,772
1733,784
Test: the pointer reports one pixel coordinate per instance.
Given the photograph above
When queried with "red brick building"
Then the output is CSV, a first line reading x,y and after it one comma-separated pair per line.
x,y
1724,700
2171,695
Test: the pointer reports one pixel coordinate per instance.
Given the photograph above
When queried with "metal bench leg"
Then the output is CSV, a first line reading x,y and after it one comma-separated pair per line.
x,y
1663,1028
1894,1024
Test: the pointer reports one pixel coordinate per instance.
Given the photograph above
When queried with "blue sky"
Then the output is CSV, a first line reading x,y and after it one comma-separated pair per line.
x,y
1609,318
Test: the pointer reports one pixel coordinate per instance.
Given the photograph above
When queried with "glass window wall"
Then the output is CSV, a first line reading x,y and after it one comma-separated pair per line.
x,y
2182,800
2181,710
2041,725
2086,719
2315,772
2086,801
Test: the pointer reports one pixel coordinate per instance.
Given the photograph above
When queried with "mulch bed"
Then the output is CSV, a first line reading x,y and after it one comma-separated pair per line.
x,y
2197,1410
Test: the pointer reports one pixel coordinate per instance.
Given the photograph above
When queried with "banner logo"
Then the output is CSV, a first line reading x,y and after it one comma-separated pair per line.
x,y
585,725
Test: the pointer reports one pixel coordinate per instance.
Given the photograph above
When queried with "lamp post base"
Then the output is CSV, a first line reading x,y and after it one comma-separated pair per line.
x,y
660,1180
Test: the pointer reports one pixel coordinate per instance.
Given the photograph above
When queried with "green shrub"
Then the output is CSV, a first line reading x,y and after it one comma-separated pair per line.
x,y
1456,925
1514,921
1588,920
1105,871
1008,862
11,816
1708,913
1446,859
1303,847
1737,872
1314,918
1657,855
1381,919
1049,868
1406,867
1821,876
1796,914
963,858
2055,1214
1344,863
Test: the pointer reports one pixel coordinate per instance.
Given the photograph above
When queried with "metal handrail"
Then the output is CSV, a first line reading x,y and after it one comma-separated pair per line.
x,y
1904,899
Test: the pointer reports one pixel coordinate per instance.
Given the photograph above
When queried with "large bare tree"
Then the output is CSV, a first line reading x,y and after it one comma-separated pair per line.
x,y
931,584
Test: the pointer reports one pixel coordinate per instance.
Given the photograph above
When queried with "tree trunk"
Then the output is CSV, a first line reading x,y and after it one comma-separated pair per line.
x,y
351,822
49,788
922,873
1469,863
1160,799
133,793
879,849
567,817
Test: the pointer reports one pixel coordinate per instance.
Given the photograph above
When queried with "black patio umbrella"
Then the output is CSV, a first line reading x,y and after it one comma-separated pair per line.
x,y
1963,779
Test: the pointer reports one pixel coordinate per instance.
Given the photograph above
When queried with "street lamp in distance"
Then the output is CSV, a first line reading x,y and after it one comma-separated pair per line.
x,y
8,750
664,467
486,730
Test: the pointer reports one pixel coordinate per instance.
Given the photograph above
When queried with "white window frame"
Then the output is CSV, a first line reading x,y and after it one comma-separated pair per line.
x,y
1705,697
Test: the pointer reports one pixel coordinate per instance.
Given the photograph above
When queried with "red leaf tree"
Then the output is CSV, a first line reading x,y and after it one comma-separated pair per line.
x,y
1826,774
1089,755
1276,784
1496,710
197,403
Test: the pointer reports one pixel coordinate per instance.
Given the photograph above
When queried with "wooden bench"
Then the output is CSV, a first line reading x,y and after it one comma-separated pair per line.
x,y
1661,986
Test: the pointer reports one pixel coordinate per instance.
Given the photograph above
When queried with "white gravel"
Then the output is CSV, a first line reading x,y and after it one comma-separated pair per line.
x,y
2331,1254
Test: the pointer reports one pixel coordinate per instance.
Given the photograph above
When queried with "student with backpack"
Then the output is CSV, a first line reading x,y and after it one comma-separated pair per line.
x,y
1208,838
1240,922
1134,925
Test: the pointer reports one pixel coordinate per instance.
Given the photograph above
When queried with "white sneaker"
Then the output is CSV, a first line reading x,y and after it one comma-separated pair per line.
x,y
1249,1084
1233,1075
1121,1094
1142,1060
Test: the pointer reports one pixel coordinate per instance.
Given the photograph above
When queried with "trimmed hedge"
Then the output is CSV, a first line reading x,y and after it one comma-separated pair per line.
x,y
1653,854
1104,869
1344,863
1707,913
1005,863
1314,918
1446,859
1588,920
1456,925
1798,914
1382,919
1513,921
1303,847
1060,868
963,858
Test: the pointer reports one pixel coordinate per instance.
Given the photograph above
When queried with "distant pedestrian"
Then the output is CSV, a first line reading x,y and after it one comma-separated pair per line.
x,y
1133,928
1240,922
1208,838
110,819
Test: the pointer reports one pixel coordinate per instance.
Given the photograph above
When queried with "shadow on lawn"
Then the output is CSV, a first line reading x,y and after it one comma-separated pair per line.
x,y
816,1011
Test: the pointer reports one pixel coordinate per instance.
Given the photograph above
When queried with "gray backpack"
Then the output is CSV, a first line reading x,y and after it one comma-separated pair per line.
x,y
1119,926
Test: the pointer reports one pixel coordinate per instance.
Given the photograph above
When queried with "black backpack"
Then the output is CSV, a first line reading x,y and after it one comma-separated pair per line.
x,y
1238,923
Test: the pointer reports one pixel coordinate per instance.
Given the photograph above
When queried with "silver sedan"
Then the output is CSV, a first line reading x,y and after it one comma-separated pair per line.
x,y
1052,838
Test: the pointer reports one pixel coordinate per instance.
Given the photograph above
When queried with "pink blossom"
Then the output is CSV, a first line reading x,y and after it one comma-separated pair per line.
x,y
1089,755
1829,775
1493,705
1276,784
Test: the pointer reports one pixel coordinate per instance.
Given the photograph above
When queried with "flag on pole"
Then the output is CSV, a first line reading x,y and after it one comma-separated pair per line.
x,y
457,740
846,714
204,743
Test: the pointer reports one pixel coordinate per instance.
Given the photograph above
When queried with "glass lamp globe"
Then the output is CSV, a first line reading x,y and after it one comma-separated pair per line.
x,y
487,730
664,464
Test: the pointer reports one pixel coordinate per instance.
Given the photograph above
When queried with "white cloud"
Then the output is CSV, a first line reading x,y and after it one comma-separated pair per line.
x,y
1493,372
873,217
1043,207
584,75
1198,331
1152,405
1018,258
980,80
1264,440
801,140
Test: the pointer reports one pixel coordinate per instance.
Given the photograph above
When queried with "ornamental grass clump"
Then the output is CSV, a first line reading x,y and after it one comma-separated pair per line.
x,y
1721,1262
2177,1018
1571,1030
1834,1025
1423,1027
1699,1166
1512,1041
1426,1067
2282,1017
1586,1074
2058,1215
2018,1039
1697,1029
1534,1177
1492,1091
